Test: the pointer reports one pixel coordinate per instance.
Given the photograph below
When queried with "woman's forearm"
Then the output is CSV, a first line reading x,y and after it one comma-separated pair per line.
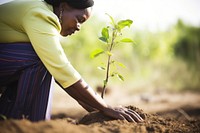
x,y
87,107
86,96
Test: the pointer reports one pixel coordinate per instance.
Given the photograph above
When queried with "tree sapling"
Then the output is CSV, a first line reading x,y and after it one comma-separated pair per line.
x,y
111,36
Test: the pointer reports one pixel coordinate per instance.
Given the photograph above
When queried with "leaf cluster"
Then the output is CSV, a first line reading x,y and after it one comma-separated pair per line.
x,y
111,36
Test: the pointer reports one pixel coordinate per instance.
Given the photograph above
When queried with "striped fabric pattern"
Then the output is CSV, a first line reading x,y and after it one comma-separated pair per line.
x,y
26,80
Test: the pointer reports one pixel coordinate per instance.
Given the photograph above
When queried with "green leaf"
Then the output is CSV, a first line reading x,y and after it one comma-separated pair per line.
x,y
112,20
105,33
113,74
123,23
127,40
103,39
96,53
120,77
120,64
109,53
101,68
112,62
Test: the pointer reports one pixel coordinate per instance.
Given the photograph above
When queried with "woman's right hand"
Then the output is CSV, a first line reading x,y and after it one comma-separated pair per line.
x,y
123,114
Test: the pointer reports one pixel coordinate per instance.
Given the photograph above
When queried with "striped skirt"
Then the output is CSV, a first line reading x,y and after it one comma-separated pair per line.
x,y
26,83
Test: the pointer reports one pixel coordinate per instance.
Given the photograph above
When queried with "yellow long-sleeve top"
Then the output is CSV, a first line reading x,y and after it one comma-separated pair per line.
x,y
35,22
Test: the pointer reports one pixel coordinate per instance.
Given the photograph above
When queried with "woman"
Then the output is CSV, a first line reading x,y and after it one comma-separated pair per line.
x,y
31,53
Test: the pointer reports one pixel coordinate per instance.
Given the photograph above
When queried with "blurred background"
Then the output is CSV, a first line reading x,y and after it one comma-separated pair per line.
x,y
165,56
162,67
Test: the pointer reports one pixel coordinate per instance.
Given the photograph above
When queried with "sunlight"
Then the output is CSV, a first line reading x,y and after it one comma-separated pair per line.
x,y
151,14
4,1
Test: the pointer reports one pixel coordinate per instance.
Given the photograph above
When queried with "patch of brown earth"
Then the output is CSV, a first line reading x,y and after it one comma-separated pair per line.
x,y
186,120
152,123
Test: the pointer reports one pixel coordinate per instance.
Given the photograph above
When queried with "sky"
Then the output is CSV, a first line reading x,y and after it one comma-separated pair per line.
x,y
150,14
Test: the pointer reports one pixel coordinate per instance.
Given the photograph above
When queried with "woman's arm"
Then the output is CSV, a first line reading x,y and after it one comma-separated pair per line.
x,y
85,95
87,107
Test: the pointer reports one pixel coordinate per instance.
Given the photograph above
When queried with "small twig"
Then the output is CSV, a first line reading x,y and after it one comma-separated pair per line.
x,y
184,114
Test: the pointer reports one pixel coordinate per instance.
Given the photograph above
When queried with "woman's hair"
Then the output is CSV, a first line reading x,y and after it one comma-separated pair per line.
x,y
78,4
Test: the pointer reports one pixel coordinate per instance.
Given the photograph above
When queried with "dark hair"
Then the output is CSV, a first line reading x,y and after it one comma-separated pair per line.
x,y
78,4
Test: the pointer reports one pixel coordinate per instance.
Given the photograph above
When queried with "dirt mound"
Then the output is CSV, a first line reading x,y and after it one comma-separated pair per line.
x,y
169,121
99,117
152,123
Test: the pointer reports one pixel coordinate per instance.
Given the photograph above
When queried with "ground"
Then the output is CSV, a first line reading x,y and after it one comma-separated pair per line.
x,y
163,111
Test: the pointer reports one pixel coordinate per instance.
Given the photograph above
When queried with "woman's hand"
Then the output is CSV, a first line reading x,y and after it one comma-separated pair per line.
x,y
123,114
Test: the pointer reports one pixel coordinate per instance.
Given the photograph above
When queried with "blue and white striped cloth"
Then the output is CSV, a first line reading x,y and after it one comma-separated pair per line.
x,y
26,80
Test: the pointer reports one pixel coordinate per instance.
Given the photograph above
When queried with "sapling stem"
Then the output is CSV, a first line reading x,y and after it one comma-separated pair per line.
x,y
108,64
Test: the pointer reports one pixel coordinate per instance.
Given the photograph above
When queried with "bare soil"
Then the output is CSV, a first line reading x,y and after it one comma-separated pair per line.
x,y
164,112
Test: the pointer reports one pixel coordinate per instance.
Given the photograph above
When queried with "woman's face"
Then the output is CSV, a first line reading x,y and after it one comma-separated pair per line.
x,y
71,19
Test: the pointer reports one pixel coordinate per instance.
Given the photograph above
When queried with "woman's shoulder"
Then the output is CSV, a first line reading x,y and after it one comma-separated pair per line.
x,y
41,15
23,6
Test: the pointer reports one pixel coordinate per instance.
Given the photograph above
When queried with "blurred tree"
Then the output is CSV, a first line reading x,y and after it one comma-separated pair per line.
x,y
187,46
156,60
